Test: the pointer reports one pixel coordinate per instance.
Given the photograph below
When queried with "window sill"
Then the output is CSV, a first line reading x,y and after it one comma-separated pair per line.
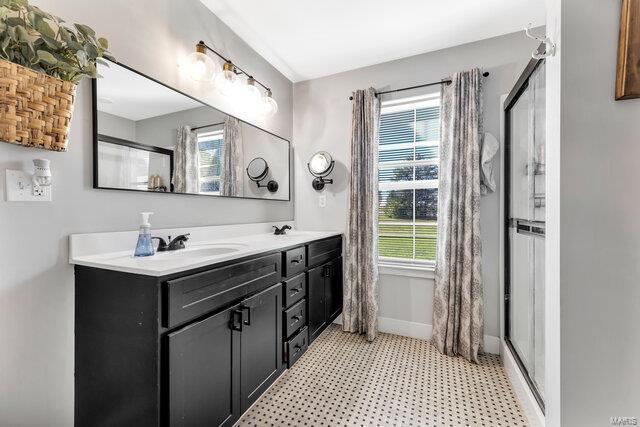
x,y
422,271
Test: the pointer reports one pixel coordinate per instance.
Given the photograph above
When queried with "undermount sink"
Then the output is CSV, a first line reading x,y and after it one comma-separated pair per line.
x,y
200,252
195,252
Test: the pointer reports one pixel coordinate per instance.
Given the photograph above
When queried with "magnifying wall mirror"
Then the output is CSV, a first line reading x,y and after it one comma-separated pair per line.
x,y
321,165
257,171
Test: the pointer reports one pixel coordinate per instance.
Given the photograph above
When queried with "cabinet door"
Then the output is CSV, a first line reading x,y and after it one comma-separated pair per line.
x,y
333,289
316,300
261,343
204,373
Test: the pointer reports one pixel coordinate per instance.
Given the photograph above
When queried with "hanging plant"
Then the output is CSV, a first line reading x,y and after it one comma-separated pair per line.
x,y
41,61
42,42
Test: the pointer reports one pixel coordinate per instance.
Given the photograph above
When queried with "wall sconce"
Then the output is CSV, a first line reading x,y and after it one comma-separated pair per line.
x,y
27,187
321,165
202,68
257,171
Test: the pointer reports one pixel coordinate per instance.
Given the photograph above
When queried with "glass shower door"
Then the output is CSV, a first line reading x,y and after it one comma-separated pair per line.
x,y
525,228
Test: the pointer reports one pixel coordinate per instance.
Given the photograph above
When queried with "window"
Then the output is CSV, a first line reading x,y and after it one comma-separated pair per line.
x,y
210,151
408,179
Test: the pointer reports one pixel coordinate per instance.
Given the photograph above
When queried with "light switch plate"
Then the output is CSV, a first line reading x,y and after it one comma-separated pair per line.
x,y
322,200
20,188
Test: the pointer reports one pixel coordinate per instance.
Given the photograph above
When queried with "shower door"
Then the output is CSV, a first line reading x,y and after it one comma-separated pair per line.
x,y
525,224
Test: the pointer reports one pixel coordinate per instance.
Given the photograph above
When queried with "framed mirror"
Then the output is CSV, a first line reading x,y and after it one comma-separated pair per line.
x,y
153,138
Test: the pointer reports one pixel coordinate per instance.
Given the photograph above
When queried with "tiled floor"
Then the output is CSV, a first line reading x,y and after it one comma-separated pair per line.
x,y
395,381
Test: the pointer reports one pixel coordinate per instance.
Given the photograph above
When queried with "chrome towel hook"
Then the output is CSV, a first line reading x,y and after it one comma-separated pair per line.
x,y
550,47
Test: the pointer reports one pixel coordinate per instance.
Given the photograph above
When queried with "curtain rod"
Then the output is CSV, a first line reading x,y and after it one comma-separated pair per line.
x,y
443,81
207,126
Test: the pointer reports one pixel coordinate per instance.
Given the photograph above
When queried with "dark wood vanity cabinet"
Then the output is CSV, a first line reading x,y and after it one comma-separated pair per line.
x,y
197,348
324,296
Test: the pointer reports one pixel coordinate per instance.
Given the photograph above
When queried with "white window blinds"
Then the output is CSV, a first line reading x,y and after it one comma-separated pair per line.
x,y
408,179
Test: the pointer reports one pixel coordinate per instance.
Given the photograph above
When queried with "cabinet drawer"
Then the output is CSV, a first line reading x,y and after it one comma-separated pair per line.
x,y
295,318
191,296
324,250
294,289
296,346
295,261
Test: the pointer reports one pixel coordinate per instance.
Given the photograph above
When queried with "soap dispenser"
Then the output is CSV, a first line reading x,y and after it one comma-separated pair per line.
x,y
145,245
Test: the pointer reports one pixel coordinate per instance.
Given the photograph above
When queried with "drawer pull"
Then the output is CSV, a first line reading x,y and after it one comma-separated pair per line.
x,y
248,321
297,260
233,324
297,349
295,319
295,291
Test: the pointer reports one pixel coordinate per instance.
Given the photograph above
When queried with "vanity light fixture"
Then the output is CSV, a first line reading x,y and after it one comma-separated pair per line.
x,y
201,67
321,165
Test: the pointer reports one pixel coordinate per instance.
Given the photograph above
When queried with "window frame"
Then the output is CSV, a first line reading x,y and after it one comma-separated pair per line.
x,y
409,267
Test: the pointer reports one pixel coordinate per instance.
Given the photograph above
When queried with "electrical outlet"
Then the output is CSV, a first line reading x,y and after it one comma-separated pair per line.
x,y
20,188
322,200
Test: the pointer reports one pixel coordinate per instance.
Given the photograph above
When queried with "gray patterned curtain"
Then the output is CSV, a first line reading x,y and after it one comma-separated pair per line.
x,y
185,171
360,306
232,169
457,306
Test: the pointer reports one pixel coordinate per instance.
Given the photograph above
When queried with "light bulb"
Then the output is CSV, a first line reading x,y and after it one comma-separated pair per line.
x,y
200,67
252,93
227,80
269,105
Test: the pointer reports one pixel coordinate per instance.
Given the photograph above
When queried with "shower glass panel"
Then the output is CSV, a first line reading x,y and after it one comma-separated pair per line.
x,y
525,225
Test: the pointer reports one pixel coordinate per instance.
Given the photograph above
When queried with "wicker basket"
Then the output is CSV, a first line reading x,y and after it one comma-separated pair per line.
x,y
35,109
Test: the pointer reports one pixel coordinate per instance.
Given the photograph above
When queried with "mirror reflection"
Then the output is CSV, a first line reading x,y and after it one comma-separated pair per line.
x,y
153,138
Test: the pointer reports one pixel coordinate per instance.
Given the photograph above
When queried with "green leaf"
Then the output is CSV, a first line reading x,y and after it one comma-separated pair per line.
x,y
102,62
65,35
4,11
21,34
14,21
91,50
82,57
45,29
85,30
51,42
47,57
104,43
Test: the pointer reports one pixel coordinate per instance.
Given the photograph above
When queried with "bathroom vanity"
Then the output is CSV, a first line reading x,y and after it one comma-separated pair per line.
x,y
194,339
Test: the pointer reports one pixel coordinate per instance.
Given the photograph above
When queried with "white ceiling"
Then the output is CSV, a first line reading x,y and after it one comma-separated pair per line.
x,y
129,95
306,39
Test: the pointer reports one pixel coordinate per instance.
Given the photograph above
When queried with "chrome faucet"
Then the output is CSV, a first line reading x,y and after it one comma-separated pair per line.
x,y
174,245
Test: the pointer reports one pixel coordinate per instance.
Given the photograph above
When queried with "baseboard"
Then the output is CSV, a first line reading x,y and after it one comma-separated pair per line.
x,y
422,331
521,388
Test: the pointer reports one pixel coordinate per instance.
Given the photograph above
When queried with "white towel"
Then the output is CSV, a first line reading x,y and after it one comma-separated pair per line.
x,y
488,151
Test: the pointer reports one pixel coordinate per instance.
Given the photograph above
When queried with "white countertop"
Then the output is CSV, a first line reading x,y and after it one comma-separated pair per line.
x,y
201,250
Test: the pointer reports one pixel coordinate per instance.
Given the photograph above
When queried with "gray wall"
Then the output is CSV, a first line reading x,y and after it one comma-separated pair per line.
x,y
322,114
595,222
36,282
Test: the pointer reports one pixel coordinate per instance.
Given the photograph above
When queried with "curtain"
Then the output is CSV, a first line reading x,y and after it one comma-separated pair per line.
x,y
360,306
232,172
185,172
458,306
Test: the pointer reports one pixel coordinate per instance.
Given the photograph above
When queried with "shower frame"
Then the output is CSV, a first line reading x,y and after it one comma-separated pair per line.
x,y
514,95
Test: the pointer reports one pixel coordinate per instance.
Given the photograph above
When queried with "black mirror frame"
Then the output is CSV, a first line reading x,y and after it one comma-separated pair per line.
x,y
94,104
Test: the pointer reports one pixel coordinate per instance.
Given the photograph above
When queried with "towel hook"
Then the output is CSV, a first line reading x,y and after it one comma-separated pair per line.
x,y
549,46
